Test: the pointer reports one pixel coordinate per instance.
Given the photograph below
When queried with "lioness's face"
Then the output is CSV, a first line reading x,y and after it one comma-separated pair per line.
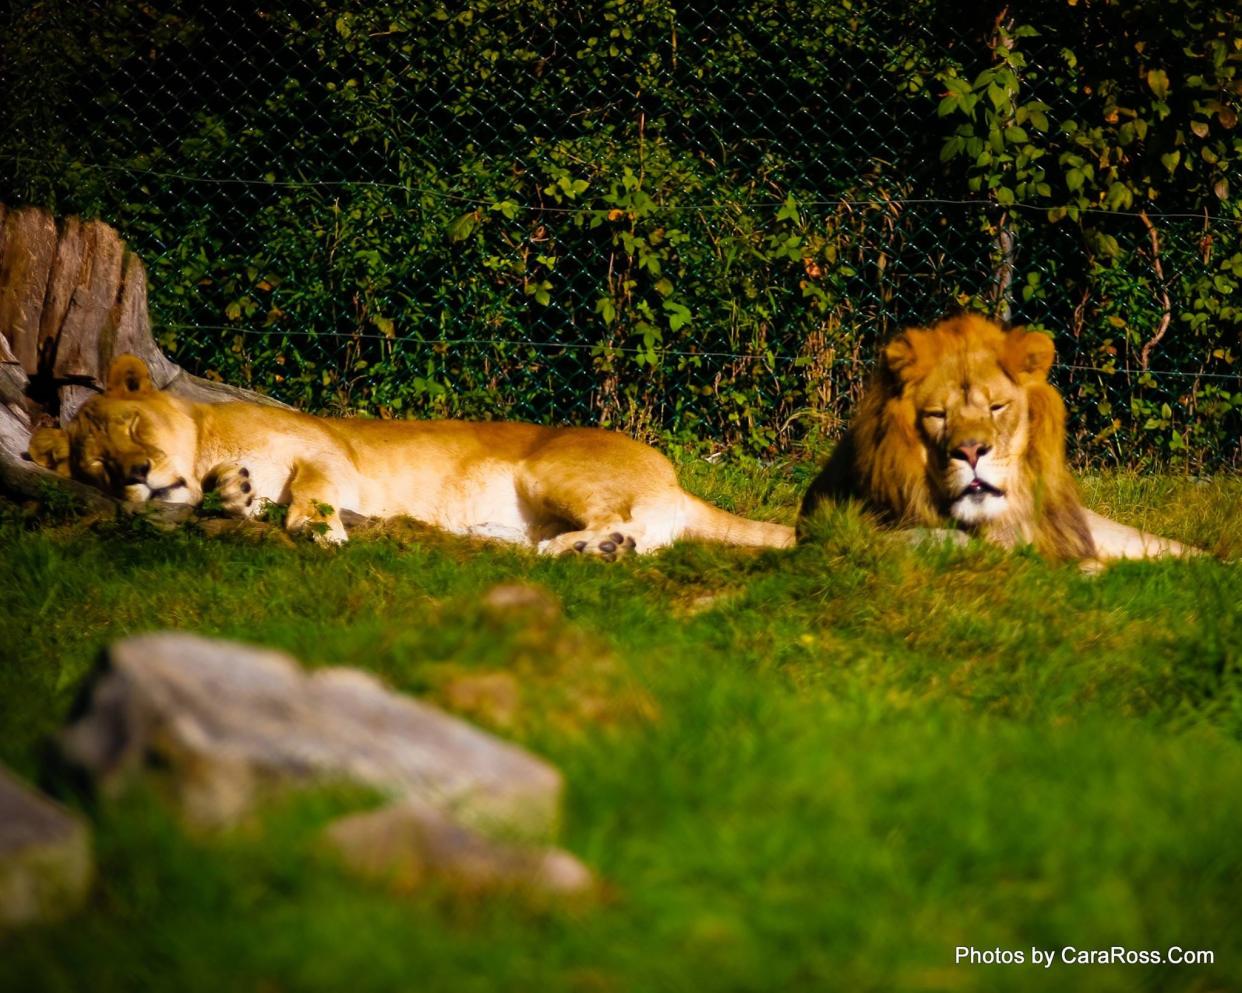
x,y
973,418
126,447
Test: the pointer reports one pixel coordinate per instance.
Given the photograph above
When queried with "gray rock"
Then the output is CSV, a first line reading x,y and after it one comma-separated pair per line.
x,y
45,857
220,724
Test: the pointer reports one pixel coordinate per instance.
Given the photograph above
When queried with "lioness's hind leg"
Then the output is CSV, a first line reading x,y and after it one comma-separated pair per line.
x,y
609,544
234,492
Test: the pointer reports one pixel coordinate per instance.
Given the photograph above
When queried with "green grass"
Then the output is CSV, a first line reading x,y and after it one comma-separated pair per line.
x,y
821,769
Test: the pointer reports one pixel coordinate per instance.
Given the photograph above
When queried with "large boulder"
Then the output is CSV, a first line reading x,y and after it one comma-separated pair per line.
x,y
218,726
221,724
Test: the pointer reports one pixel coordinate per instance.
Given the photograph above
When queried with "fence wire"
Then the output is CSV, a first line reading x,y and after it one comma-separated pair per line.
x,y
695,220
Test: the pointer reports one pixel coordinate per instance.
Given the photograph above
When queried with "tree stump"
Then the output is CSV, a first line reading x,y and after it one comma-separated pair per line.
x,y
72,297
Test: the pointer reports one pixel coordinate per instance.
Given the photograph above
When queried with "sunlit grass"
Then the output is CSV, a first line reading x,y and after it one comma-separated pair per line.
x,y
817,769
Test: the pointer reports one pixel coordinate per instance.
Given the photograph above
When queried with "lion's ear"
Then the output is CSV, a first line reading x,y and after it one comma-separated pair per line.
x,y
49,447
899,355
1028,354
128,376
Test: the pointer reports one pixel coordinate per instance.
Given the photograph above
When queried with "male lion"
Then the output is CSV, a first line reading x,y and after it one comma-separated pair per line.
x,y
565,489
960,428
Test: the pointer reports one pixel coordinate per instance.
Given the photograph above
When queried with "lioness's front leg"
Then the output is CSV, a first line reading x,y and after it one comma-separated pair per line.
x,y
315,504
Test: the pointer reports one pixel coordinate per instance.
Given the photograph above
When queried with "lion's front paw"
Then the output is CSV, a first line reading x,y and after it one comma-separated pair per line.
x,y
228,488
608,545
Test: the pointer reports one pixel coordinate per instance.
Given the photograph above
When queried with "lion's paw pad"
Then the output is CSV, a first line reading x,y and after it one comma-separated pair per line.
x,y
608,546
234,489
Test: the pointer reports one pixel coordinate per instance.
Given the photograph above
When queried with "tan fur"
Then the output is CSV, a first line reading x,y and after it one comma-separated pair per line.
x,y
565,489
959,427
49,447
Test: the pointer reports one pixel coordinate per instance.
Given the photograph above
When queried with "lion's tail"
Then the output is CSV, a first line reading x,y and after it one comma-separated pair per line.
x,y
707,523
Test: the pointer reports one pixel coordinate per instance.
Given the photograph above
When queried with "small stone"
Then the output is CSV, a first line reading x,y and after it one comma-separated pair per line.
x,y
492,697
410,842
523,600
45,857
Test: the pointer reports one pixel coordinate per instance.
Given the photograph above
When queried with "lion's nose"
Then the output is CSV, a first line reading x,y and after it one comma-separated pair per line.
x,y
137,472
970,452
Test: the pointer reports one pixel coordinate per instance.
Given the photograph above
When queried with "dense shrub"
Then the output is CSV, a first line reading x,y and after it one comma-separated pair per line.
x,y
656,217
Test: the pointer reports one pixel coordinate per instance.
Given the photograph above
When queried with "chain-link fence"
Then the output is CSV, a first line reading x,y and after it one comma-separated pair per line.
x,y
694,220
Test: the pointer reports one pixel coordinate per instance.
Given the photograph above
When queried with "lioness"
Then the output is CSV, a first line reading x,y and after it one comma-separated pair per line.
x,y
960,428
583,490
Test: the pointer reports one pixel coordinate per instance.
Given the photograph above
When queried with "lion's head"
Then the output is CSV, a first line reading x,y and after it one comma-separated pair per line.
x,y
960,425
133,441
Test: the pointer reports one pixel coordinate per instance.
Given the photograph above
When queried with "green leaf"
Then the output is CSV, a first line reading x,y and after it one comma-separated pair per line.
x,y
463,226
678,314
1108,245
789,210
506,207
606,309
1119,195
1158,80
951,148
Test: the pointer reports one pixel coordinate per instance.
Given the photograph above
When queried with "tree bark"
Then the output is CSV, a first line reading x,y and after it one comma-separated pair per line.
x,y
72,298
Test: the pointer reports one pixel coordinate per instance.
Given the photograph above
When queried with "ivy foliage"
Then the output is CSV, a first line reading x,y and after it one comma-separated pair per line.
x,y
666,219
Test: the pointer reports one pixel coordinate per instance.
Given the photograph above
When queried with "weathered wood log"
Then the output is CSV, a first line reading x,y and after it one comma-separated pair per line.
x,y
72,297
27,248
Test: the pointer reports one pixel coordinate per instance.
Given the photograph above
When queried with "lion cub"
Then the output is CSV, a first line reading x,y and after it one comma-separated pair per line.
x,y
583,490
